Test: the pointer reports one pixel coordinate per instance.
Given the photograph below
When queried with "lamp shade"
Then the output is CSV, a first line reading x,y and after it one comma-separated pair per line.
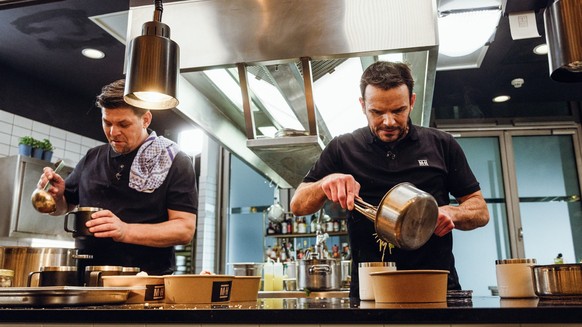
x,y
152,71
563,24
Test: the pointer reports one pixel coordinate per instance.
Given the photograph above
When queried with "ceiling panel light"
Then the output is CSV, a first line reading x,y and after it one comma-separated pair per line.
x,y
541,49
93,53
465,31
501,98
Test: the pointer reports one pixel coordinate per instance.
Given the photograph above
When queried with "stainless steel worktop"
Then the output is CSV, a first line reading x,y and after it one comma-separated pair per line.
x,y
314,311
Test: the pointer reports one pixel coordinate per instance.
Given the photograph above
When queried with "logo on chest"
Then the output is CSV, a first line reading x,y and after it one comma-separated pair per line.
x,y
423,163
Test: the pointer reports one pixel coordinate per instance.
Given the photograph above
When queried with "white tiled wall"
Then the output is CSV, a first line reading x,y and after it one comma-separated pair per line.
x,y
68,146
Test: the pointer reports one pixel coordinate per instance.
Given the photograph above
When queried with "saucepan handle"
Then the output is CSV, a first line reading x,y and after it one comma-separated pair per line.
x,y
365,208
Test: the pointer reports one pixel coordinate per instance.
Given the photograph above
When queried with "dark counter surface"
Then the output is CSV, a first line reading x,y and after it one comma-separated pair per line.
x,y
474,310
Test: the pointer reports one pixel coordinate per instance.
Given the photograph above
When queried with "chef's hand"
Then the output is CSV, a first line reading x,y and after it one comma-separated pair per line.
x,y
57,188
105,224
444,223
341,188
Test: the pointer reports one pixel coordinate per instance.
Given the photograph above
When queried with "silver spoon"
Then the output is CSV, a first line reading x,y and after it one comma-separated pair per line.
x,y
42,200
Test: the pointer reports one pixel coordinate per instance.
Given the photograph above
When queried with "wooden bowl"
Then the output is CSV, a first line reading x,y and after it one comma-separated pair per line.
x,y
192,288
410,286
245,288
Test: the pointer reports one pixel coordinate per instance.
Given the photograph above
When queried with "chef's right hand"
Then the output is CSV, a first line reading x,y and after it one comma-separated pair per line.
x,y
57,188
341,188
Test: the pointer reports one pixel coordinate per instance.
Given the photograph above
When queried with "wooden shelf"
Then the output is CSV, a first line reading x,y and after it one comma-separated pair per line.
x,y
296,235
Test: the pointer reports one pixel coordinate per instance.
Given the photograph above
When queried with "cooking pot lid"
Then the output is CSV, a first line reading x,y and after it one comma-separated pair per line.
x,y
516,260
58,268
88,209
104,268
377,264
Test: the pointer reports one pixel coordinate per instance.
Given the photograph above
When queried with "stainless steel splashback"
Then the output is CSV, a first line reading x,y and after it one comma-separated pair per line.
x,y
18,219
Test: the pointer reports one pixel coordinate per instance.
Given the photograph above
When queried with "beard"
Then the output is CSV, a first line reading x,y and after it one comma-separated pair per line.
x,y
390,134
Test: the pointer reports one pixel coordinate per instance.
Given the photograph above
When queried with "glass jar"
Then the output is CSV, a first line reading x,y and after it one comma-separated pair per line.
x,y
6,277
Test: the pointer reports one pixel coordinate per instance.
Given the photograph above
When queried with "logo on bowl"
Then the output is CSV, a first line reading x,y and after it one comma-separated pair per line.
x,y
221,291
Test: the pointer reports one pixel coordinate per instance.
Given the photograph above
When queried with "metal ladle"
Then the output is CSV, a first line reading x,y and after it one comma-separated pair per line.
x,y
406,216
42,200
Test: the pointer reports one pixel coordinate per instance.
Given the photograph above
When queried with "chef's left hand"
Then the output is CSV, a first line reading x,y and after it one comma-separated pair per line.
x,y
444,223
105,224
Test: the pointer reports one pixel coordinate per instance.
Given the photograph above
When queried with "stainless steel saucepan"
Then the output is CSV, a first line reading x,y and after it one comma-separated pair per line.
x,y
406,216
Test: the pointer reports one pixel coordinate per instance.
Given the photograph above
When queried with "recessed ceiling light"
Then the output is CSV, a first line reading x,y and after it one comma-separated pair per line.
x,y
93,53
541,49
501,98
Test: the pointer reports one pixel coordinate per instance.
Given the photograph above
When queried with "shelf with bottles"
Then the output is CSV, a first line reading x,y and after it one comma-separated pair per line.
x,y
293,248
333,222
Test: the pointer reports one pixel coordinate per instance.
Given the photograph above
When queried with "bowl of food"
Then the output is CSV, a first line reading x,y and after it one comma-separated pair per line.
x,y
245,288
191,288
410,286
152,289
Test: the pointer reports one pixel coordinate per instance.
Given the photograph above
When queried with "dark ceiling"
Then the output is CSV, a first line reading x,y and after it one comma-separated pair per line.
x,y
44,77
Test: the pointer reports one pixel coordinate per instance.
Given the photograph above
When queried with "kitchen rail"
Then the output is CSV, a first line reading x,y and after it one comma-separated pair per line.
x,y
479,310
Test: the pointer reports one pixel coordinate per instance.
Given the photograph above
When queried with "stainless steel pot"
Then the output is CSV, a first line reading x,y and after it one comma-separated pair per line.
x,y
24,260
247,268
557,280
319,274
406,216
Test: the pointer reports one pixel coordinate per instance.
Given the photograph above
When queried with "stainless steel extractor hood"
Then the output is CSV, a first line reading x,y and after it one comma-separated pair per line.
x,y
268,39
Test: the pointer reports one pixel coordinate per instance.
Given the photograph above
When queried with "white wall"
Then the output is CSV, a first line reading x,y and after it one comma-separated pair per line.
x,y
68,146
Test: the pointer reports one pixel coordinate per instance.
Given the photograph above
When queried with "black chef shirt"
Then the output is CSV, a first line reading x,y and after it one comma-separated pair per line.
x,y
428,158
101,179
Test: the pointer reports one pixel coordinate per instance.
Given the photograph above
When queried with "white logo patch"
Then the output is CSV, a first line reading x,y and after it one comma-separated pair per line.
x,y
423,163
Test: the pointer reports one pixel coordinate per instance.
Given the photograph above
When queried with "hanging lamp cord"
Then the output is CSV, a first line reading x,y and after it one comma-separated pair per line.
x,y
159,9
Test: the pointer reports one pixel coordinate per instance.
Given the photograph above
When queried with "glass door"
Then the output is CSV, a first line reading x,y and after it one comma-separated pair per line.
x,y
476,251
548,193
531,182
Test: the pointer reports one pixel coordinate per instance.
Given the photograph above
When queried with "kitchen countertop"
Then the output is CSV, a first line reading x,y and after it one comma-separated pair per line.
x,y
314,310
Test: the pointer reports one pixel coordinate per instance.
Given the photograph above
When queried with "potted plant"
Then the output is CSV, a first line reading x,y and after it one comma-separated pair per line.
x,y
47,148
37,149
25,145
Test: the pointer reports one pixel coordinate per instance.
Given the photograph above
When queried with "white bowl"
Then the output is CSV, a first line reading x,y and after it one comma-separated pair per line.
x,y
410,286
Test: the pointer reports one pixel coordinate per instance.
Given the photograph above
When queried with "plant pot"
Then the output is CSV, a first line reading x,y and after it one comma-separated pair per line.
x,y
25,150
37,153
47,155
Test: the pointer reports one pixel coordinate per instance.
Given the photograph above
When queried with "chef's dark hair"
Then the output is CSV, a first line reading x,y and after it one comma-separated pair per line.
x,y
387,75
111,97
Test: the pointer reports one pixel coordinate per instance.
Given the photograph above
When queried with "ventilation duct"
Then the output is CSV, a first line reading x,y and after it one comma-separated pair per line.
x,y
563,24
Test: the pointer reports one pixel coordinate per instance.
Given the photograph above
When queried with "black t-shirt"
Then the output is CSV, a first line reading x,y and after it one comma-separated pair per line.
x,y
428,158
101,179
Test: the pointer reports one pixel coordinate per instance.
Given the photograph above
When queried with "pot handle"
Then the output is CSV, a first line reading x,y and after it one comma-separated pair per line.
x,y
67,223
365,208
82,256
29,280
319,270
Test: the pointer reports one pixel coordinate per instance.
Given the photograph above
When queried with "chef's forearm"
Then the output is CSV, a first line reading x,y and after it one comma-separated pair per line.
x,y
471,213
308,198
176,231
